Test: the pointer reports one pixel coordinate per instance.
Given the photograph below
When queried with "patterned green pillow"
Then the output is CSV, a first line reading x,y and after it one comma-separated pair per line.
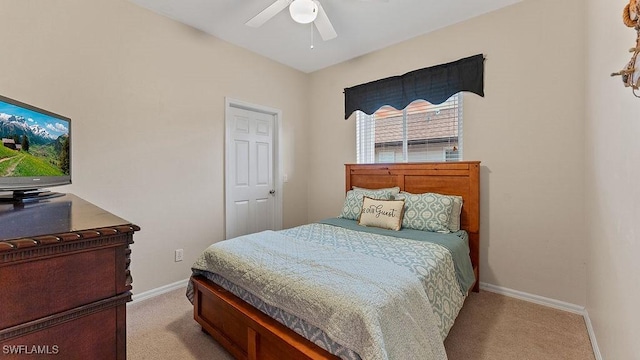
x,y
391,190
427,212
353,201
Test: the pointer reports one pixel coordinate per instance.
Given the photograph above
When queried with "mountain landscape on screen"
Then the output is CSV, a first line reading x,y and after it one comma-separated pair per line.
x,y
37,146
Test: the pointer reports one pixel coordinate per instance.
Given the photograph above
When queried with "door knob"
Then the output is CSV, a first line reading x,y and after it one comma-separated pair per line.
x,y
272,192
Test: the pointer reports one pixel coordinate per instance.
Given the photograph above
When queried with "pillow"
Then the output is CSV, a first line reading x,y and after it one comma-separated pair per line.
x,y
386,214
353,201
392,190
428,212
456,210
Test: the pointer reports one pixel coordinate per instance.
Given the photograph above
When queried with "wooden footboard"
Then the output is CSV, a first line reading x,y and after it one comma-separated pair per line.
x,y
246,332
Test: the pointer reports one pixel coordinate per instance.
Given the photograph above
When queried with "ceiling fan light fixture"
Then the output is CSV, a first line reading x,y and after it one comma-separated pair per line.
x,y
303,11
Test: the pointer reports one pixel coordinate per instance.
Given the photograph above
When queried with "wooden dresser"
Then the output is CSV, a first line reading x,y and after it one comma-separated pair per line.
x,y
64,280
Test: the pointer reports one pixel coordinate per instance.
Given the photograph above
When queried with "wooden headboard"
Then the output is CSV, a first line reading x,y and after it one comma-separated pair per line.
x,y
449,178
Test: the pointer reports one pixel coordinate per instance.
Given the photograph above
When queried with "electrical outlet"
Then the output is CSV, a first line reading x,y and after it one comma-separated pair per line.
x,y
179,254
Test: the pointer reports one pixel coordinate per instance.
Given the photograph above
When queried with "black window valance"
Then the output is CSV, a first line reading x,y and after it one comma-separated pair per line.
x,y
434,84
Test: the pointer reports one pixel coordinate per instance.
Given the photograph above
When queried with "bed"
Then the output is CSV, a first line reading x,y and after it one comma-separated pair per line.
x,y
235,317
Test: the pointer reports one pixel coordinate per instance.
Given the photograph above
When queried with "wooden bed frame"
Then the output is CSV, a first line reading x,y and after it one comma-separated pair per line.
x,y
247,333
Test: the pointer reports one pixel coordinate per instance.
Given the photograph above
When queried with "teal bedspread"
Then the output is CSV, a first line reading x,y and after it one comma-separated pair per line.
x,y
439,261
457,243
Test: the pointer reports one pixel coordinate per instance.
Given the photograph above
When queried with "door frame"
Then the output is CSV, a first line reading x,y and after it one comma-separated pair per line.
x,y
277,159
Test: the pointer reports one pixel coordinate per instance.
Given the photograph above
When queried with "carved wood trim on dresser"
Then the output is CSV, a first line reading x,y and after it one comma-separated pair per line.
x,y
65,279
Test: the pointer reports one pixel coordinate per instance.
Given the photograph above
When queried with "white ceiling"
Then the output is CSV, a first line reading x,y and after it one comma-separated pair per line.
x,y
362,26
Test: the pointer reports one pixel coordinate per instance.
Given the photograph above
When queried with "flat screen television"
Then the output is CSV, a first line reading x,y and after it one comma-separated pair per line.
x,y
35,152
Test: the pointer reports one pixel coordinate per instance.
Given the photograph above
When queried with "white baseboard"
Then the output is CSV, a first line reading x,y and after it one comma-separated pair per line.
x,y
540,300
592,336
158,291
552,303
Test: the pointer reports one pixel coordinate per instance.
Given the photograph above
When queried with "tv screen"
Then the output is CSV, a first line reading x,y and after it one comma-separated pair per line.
x,y
35,151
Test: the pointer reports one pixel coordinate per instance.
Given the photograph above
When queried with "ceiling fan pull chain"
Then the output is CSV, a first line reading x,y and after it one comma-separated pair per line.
x,y
311,27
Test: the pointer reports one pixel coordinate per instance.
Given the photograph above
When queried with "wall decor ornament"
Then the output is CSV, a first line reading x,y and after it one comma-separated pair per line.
x,y
631,73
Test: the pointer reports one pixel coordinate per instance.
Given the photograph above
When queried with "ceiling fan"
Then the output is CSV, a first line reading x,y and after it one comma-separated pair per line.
x,y
302,11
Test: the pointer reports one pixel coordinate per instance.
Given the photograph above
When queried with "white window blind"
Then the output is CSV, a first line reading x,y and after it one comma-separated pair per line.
x,y
420,132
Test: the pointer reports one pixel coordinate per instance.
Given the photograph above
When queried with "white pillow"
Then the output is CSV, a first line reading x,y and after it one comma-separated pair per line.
x,y
386,214
456,210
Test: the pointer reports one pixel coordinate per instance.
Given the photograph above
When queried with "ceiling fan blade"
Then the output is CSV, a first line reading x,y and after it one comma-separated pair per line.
x,y
323,25
268,13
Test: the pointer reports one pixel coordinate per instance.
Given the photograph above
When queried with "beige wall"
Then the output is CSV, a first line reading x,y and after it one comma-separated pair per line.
x,y
146,98
612,191
528,131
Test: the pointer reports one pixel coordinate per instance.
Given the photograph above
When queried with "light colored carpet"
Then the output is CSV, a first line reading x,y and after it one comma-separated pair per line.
x,y
489,327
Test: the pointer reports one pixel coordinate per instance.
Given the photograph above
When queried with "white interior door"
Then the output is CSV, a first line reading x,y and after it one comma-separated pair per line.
x,y
252,193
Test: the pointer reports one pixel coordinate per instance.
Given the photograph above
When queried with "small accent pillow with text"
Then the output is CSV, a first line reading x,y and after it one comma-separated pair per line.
x,y
427,212
353,201
386,214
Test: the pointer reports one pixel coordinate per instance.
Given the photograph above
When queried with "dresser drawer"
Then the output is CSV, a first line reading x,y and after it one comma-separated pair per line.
x,y
98,334
37,288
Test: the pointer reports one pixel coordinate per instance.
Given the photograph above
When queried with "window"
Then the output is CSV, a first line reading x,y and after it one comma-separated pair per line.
x,y
421,132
